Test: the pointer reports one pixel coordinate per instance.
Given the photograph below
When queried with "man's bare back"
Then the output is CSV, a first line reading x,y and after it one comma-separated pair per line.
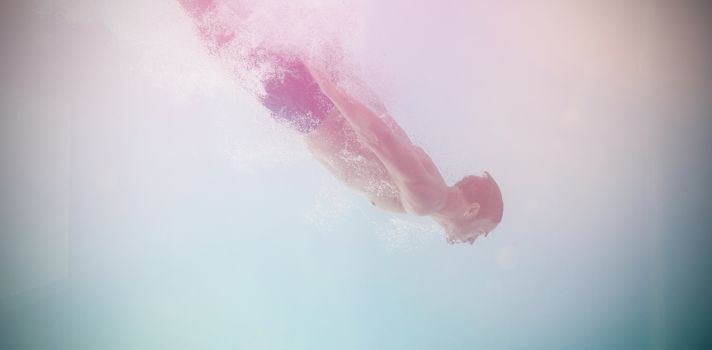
x,y
363,148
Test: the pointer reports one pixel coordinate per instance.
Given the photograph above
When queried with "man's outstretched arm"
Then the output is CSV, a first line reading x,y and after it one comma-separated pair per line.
x,y
422,188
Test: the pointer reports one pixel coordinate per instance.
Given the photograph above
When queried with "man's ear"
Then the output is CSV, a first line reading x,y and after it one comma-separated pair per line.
x,y
472,209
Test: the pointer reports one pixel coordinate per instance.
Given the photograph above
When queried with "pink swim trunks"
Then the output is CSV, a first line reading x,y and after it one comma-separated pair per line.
x,y
295,98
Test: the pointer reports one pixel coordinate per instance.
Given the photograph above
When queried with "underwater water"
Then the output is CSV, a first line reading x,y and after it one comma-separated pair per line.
x,y
150,202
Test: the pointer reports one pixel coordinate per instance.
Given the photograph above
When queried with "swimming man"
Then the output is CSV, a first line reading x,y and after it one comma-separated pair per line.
x,y
362,147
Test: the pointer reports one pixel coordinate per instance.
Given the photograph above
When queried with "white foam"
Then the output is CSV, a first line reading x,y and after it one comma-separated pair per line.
x,y
331,205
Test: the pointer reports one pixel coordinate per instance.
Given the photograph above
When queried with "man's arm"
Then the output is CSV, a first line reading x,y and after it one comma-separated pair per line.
x,y
422,189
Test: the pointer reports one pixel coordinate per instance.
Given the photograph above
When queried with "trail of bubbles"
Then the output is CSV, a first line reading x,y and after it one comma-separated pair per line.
x,y
253,38
330,207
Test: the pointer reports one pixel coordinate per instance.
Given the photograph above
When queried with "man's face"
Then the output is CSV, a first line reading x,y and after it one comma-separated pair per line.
x,y
466,230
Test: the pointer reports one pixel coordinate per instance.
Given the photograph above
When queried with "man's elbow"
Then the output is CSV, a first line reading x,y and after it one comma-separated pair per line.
x,y
422,200
419,211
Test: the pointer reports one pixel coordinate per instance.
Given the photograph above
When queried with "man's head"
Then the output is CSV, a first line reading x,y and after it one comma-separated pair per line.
x,y
483,208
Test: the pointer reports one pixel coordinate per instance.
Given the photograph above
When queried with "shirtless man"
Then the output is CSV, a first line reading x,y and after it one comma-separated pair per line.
x,y
363,148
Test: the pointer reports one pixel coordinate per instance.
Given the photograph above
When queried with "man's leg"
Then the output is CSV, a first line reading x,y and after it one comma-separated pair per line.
x,y
291,94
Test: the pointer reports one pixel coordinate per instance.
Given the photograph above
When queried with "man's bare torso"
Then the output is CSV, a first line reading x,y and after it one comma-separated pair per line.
x,y
335,144
337,147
